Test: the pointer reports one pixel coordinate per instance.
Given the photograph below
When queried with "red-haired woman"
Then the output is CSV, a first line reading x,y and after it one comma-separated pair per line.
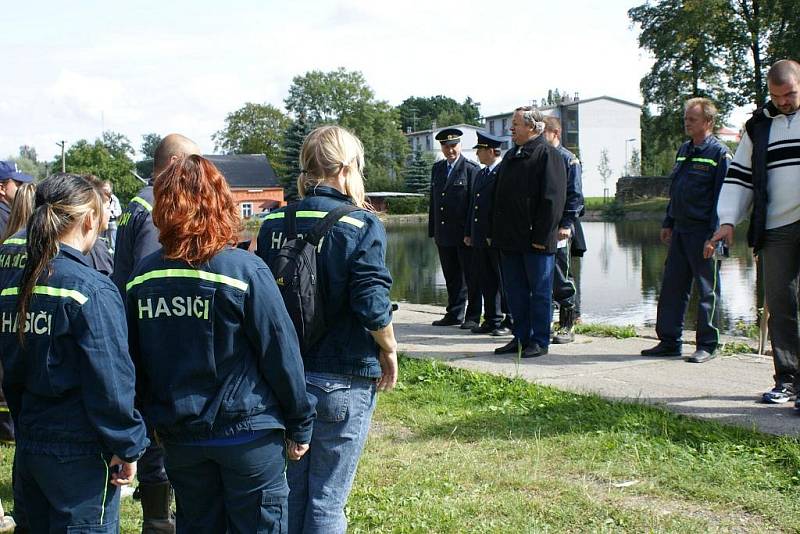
x,y
220,377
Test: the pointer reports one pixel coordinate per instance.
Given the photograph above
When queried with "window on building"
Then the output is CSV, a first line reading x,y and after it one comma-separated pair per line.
x,y
428,142
491,127
247,209
505,126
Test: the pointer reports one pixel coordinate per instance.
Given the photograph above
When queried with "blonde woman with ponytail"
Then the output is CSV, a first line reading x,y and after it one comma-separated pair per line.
x,y
68,378
357,355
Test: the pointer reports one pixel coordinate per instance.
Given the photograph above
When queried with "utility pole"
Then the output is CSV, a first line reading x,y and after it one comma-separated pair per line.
x,y
63,161
414,117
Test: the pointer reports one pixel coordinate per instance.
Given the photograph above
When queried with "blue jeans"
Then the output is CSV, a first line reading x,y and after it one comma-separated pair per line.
x,y
236,488
528,279
320,482
68,493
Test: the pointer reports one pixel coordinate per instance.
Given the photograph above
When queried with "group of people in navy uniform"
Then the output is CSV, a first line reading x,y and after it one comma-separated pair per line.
x,y
499,229
185,360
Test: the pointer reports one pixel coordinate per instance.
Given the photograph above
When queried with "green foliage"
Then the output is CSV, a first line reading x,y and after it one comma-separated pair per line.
x,y
407,205
613,211
254,129
28,162
150,142
418,173
292,144
343,97
606,330
442,109
108,158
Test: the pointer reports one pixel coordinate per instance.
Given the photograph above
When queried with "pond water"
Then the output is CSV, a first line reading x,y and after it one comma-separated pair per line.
x,y
619,277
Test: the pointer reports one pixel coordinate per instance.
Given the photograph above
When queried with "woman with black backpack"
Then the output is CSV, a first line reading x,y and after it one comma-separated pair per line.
x,y
356,355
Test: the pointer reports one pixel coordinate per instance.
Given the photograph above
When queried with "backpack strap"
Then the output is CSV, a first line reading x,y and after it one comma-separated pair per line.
x,y
290,221
323,227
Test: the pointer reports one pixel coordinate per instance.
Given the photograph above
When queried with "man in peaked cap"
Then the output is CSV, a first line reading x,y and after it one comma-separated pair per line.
x,y
451,187
485,259
10,180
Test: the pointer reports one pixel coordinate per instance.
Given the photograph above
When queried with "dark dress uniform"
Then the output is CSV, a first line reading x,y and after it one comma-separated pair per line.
x,y
530,192
485,258
691,214
71,393
447,216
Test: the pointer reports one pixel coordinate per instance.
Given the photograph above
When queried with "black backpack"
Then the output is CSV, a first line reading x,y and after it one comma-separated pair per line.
x,y
295,271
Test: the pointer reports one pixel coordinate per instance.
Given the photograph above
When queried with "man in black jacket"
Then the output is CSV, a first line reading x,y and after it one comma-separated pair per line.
x,y
451,189
528,204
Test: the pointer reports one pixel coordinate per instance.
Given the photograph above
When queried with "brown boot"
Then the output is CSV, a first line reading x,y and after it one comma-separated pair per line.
x,y
157,517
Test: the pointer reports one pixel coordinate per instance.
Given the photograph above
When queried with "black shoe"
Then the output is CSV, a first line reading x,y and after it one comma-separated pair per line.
x,y
533,351
700,356
468,325
500,331
446,321
485,328
512,347
663,349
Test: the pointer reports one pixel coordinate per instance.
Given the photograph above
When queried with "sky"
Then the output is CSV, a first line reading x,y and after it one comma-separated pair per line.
x,y
75,69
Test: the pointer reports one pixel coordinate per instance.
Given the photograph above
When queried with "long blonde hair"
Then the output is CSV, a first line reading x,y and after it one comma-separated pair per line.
x,y
21,209
326,151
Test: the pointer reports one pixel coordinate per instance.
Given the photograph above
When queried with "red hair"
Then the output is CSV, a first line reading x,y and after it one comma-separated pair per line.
x,y
194,210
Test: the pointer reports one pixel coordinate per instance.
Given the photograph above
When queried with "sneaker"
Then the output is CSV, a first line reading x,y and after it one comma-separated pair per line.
x,y
663,349
778,395
563,336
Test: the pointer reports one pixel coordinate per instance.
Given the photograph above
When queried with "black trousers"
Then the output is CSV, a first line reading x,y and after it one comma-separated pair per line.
x,y
486,270
457,269
685,263
781,262
564,289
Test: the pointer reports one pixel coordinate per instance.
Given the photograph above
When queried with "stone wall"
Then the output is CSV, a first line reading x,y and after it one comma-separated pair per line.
x,y
637,187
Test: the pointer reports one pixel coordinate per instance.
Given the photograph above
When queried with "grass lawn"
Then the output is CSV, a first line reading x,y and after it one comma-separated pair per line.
x,y
650,204
457,451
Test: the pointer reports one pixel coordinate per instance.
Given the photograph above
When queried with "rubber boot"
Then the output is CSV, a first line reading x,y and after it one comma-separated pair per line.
x,y
157,517
566,325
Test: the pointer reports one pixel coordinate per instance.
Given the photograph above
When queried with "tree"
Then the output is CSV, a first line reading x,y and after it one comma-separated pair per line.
x,y
604,169
292,143
28,152
635,163
150,142
343,97
419,113
108,158
418,173
28,162
254,129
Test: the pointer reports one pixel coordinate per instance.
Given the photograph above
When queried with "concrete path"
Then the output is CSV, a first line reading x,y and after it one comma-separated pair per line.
x,y
726,389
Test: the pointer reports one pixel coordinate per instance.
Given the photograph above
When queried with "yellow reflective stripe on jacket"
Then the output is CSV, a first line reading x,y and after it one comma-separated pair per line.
x,y
15,241
188,273
77,296
698,160
142,202
311,214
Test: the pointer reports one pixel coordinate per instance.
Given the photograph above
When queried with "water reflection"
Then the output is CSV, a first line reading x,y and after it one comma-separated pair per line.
x,y
619,277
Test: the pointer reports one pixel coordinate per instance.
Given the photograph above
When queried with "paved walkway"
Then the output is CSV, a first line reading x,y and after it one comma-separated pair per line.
x,y
725,389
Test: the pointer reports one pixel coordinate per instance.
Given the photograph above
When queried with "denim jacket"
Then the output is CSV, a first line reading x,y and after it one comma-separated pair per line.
x,y
215,350
70,388
356,282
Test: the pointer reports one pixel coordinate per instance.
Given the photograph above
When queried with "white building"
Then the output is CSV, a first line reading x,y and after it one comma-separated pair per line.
x,y
589,127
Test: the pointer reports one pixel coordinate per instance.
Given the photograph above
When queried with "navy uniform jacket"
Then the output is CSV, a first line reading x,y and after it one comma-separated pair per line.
x,y
477,227
529,197
71,388
215,351
13,254
5,213
696,182
351,263
573,207
450,200
136,237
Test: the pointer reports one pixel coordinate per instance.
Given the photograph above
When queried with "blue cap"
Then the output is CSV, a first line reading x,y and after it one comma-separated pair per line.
x,y
449,136
7,168
486,140
21,177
